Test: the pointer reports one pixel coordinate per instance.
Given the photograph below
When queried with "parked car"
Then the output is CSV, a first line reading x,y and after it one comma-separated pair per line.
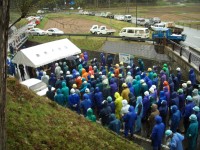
x,y
36,85
141,21
120,17
36,31
152,21
156,20
54,31
128,18
91,13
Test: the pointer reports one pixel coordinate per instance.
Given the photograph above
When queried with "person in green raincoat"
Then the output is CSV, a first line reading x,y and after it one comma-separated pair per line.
x,y
192,132
65,92
90,116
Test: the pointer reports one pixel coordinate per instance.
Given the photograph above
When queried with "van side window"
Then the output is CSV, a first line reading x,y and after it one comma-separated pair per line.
x,y
130,31
123,30
141,31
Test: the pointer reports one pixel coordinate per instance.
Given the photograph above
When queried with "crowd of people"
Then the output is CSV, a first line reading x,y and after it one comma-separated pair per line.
x,y
125,98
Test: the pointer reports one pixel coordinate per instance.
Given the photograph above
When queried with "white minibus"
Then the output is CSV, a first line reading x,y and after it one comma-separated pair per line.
x,y
134,32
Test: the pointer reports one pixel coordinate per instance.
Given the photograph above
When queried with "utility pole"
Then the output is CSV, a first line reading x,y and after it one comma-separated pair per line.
x,y
109,3
136,11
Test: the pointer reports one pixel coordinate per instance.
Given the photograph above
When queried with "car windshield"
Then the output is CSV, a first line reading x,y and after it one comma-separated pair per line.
x,y
38,87
55,29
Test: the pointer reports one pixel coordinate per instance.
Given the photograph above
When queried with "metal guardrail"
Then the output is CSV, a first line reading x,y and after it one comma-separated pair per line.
x,y
106,36
189,55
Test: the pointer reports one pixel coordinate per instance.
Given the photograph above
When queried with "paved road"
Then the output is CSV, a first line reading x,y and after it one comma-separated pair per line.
x,y
193,37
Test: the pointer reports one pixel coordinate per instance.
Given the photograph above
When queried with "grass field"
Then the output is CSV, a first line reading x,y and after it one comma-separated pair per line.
x,y
36,123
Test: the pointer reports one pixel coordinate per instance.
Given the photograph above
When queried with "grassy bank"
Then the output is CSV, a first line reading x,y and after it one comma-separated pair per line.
x,y
81,42
37,123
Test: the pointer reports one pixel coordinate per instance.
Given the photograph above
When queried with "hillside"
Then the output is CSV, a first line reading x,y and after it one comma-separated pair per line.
x,y
37,123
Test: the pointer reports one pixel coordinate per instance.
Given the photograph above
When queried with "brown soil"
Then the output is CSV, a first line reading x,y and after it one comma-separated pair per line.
x,y
70,25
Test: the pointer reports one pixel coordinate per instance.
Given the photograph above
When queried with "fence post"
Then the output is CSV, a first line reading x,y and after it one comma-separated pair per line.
x,y
189,59
86,37
106,38
181,51
173,46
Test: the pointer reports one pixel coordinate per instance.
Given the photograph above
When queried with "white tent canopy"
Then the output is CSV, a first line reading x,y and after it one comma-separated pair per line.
x,y
43,54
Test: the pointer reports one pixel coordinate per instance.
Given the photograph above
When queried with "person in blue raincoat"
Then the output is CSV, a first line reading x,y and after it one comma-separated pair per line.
x,y
163,109
192,76
114,124
146,106
98,98
175,140
65,92
113,88
59,98
129,120
52,80
157,133
175,99
85,104
74,101
175,118
139,112
192,132
179,74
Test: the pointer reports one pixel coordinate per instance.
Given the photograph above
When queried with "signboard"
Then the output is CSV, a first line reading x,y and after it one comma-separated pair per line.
x,y
124,58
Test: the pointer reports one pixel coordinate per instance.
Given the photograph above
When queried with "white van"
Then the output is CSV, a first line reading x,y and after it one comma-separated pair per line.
x,y
134,32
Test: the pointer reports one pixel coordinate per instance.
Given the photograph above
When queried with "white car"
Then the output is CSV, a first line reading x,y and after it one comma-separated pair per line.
x,y
36,85
31,25
54,31
36,31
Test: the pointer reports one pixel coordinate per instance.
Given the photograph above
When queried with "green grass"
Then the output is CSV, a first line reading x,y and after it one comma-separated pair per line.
x,y
89,43
37,123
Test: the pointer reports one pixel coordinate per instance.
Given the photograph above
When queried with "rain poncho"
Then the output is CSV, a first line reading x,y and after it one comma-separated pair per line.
x,y
175,118
196,97
118,105
129,119
192,134
85,104
139,112
52,80
65,91
176,142
98,96
90,116
113,88
125,107
60,98
192,76
45,78
146,106
74,102
50,94
105,113
125,93
157,133
114,124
